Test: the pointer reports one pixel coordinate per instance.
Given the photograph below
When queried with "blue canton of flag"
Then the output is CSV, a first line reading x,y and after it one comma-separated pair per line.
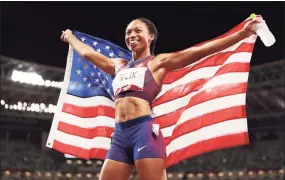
x,y
87,80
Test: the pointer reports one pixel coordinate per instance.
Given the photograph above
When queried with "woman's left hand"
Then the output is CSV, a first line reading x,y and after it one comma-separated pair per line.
x,y
250,27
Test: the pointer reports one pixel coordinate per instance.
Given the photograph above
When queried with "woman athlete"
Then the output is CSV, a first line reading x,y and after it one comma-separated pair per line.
x,y
136,85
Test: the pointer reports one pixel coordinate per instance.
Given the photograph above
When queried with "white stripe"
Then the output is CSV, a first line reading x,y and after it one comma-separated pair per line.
x,y
60,102
87,122
69,156
228,78
216,130
87,102
97,142
242,57
223,79
205,72
206,108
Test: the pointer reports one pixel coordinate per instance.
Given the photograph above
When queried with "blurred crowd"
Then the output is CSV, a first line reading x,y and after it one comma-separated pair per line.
x,y
259,155
25,155
275,175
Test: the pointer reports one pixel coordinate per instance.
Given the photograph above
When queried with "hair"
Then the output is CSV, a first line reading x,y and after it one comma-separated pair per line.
x,y
152,30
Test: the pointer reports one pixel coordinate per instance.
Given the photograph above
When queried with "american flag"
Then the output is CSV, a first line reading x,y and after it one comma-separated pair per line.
x,y
201,107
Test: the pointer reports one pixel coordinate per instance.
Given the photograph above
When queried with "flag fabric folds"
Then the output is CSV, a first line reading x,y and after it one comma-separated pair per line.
x,y
201,107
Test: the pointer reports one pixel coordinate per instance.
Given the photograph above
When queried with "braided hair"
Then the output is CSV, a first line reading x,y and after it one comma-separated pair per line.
x,y
152,30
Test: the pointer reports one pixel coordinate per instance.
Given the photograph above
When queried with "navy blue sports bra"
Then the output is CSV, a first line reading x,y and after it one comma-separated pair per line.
x,y
135,79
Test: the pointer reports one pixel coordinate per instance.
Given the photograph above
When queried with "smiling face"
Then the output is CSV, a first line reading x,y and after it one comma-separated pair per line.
x,y
138,37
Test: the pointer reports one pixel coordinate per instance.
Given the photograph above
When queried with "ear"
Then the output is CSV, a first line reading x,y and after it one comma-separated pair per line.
x,y
152,37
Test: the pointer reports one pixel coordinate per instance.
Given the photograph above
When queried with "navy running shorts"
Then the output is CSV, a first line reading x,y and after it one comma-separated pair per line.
x,y
135,139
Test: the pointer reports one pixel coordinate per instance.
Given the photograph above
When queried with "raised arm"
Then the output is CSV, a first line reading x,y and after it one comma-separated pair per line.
x,y
190,55
106,64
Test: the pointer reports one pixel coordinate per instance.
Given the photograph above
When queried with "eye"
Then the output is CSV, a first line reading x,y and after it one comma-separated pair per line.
x,y
138,30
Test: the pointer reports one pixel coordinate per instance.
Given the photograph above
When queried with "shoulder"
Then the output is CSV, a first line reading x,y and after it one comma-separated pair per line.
x,y
162,56
157,63
159,59
118,63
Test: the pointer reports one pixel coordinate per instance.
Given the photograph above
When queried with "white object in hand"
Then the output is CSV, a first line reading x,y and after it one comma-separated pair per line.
x,y
155,129
265,34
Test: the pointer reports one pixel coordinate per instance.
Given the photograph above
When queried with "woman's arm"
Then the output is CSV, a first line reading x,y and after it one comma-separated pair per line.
x,y
103,62
190,55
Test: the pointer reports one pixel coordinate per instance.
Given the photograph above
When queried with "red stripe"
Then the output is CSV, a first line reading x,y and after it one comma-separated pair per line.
x,y
223,115
179,91
88,112
98,153
79,152
167,140
215,60
185,89
72,150
213,144
233,67
90,133
219,91
170,118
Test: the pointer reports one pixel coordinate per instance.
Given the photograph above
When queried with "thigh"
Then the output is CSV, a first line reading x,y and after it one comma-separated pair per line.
x,y
115,170
151,169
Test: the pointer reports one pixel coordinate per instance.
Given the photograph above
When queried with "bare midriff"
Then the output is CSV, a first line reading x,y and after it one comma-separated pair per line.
x,y
129,108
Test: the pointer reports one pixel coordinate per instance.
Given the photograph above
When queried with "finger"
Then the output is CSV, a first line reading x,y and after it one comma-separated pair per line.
x,y
62,36
256,21
259,19
253,21
259,16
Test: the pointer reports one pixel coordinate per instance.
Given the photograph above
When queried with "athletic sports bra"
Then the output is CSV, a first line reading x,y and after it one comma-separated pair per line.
x,y
135,79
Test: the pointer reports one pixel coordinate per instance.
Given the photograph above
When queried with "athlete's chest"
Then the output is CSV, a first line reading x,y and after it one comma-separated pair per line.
x,y
130,77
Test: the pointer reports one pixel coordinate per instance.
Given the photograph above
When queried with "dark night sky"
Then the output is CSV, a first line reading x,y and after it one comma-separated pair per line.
x,y
31,30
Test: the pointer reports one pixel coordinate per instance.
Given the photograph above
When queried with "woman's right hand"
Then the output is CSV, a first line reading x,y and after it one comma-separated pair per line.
x,y
65,36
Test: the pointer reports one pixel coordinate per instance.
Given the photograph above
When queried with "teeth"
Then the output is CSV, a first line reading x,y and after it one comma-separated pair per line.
x,y
133,42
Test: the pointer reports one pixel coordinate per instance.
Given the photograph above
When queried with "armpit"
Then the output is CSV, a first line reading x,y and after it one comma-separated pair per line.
x,y
119,63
